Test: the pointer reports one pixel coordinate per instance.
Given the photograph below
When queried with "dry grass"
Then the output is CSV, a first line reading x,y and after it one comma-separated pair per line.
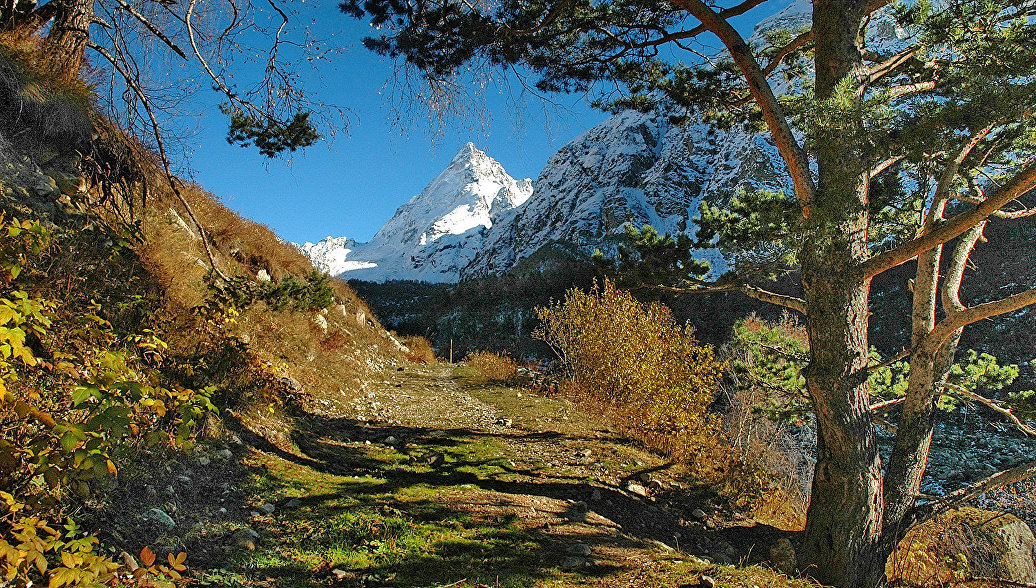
x,y
421,350
496,367
961,547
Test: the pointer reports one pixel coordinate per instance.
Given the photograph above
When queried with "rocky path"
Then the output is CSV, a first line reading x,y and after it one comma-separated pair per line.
x,y
546,494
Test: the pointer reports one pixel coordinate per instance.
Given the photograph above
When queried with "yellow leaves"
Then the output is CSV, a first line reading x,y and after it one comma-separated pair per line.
x,y
634,359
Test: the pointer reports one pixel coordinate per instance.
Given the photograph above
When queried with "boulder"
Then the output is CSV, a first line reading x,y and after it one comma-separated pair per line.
x,y
782,556
263,276
159,515
321,322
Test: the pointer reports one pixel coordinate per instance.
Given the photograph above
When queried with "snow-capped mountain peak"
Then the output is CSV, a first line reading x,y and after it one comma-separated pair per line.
x,y
434,235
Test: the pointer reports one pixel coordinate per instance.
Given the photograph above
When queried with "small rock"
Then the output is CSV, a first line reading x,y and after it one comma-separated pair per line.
x,y
321,322
721,558
579,549
293,503
291,384
160,515
342,575
391,441
267,507
342,310
262,275
225,454
244,338
236,440
129,561
707,582
505,422
595,495
577,512
185,480
637,489
646,477
584,453
203,461
435,459
571,562
698,514
782,556
246,538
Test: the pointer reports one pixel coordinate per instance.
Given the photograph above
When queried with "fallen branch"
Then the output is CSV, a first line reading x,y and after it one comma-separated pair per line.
x,y
992,405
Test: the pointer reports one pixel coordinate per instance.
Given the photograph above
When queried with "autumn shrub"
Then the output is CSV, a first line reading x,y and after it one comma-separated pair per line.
x,y
638,365
420,349
77,396
496,367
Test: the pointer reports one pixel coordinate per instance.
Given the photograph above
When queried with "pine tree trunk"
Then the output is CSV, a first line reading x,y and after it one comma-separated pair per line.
x,y
844,520
69,33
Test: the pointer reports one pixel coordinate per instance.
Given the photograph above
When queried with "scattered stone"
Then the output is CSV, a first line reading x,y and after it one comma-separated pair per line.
x,y
584,453
391,441
244,338
236,441
340,308
263,276
646,477
225,453
435,459
268,507
572,563
504,422
203,461
698,514
342,575
637,489
578,549
577,512
246,538
782,556
185,480
291,384
707,582
361,318
321,322
293,503
157,514
129,561
721,558
596,495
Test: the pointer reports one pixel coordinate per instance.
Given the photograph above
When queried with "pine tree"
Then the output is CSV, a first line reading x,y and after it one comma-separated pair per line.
x,y
894,155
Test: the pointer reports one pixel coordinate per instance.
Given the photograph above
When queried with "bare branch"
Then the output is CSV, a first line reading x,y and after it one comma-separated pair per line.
x,y
991,405
944,330
795,44
132,83
151,27
923,512
897,357
702,287
883,406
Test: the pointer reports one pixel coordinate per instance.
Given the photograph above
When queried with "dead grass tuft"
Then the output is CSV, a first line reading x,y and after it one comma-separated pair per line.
x,y
496,367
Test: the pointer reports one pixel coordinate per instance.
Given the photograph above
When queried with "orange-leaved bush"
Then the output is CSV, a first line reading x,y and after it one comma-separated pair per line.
x,y
636,364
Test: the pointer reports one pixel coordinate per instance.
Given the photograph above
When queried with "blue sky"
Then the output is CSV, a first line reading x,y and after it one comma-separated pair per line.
x,y
350,186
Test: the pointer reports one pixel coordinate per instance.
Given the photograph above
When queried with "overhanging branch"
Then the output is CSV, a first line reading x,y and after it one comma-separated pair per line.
x,y
1021,183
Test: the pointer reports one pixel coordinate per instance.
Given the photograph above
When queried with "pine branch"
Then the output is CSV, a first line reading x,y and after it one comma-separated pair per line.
x,y
1021,183
762,93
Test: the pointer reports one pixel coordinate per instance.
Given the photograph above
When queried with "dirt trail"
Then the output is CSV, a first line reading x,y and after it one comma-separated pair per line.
x,y
584,502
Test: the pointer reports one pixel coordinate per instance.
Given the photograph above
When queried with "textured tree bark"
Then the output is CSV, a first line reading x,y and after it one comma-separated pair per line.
x,y
68,36
844,520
